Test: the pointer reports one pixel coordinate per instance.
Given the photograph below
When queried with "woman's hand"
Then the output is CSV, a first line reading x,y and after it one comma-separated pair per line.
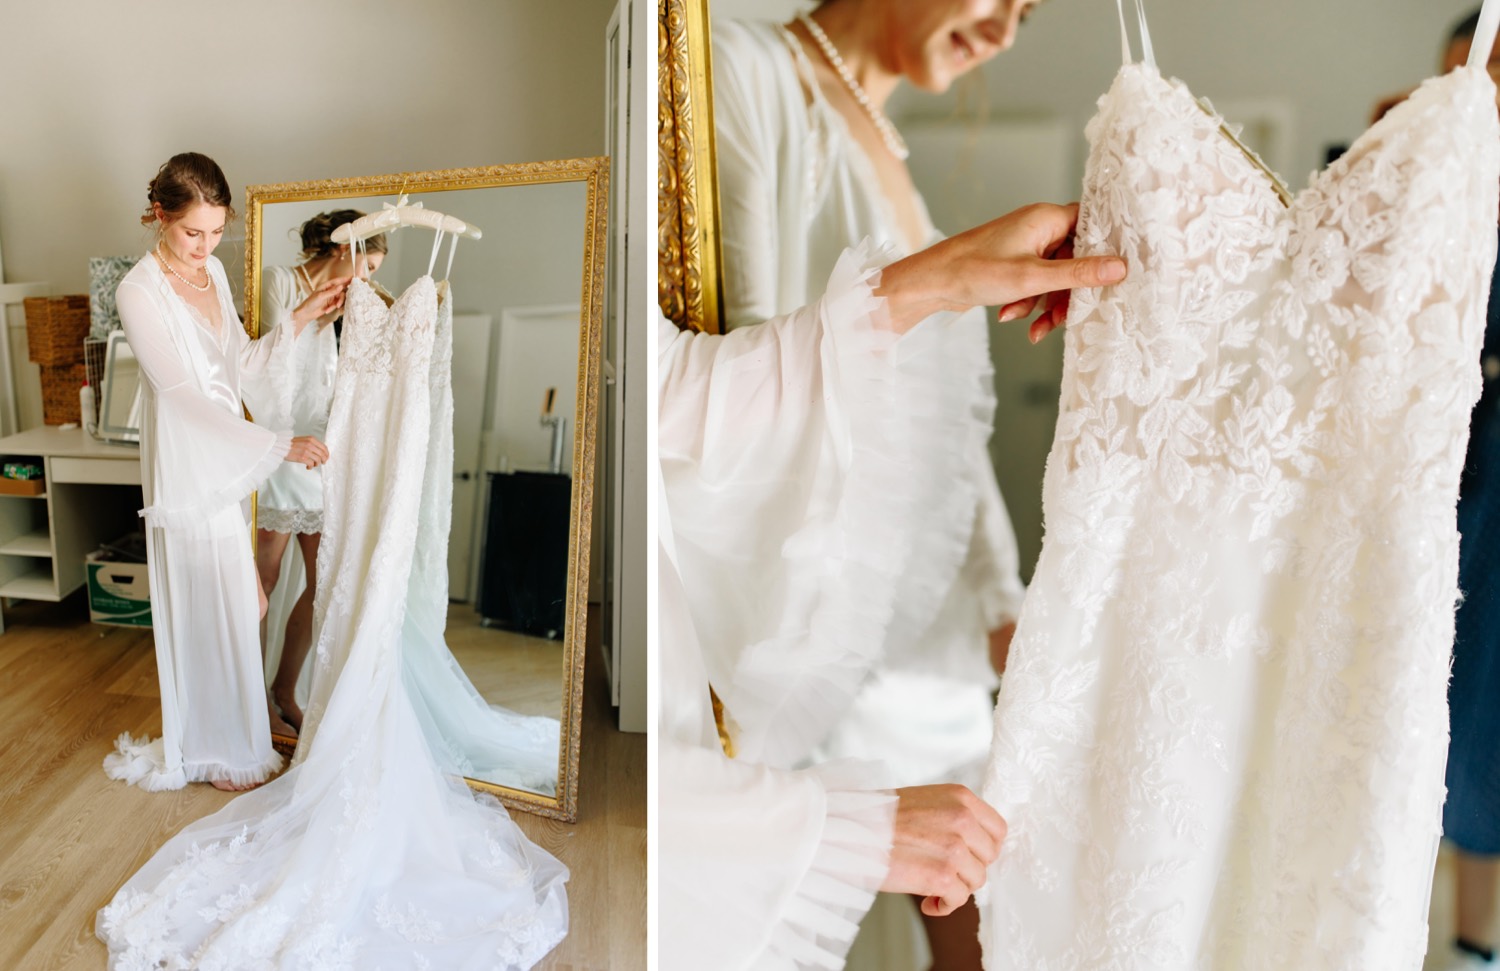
x,y
323,304
1015,263
307,451
1000,639
945,838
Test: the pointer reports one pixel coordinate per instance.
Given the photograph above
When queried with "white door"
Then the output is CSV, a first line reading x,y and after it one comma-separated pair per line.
x,y
471,360
538,351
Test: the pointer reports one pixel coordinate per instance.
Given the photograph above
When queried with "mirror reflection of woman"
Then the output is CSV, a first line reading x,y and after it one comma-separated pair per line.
x,y
809,165
199,459
290,503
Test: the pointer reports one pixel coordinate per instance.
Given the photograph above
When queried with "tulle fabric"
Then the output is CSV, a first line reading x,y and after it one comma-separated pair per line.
x,y
365,854
468,735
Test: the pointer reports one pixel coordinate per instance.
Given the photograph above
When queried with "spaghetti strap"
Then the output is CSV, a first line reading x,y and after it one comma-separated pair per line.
x,y
452,248
1148,55
437,244
1484,34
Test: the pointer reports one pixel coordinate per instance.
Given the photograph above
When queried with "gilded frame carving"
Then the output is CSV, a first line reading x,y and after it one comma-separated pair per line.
x,y
688,252
594,172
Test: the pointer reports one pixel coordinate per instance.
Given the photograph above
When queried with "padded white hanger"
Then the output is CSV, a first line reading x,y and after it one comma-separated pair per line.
x,y
403,214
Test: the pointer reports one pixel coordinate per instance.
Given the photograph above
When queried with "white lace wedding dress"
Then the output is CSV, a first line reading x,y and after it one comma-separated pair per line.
x,y
468,735
366,854
1220,740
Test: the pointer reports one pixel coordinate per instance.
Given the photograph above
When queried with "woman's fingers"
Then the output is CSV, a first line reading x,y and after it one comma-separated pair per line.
x,y
1048,276
1018,310
1008,262
308,451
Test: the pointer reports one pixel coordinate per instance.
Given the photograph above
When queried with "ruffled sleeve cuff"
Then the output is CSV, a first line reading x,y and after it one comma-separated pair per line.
x,y
190,515
848,866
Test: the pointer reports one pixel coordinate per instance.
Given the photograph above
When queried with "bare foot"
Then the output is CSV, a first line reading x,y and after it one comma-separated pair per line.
x,y
224,785
279,725
290,713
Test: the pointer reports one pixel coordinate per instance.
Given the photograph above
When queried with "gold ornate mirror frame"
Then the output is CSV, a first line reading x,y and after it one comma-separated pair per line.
x,y
688,254
594,173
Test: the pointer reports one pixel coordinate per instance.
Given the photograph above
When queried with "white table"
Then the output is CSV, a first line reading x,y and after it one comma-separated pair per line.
x,y
92,496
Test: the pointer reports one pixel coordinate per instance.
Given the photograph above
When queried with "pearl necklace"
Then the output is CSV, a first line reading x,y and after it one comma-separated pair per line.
x,y
888,133
185,280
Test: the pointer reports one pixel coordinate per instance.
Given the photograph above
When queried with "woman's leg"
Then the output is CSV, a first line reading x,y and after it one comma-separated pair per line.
x,y
298,640
270,547
1478,901
954,939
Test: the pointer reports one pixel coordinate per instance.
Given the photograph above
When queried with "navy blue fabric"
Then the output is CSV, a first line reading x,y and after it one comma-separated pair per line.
x,y
1471,818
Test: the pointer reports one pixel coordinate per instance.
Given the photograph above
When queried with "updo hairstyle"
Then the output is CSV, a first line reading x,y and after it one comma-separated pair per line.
x,y
317,235
185,181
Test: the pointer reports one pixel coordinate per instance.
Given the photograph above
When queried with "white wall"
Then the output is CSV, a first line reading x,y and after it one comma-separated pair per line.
x,y
98,93
1330,60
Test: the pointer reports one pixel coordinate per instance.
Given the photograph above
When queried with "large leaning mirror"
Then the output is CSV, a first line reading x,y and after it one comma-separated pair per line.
x,y
502,697
687,245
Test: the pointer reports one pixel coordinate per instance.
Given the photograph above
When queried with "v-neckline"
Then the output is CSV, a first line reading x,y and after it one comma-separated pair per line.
x,y
201,320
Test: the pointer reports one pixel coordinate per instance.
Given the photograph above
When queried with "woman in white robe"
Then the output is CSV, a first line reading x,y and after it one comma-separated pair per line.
x,y
764,865
199,459
805,172
297,395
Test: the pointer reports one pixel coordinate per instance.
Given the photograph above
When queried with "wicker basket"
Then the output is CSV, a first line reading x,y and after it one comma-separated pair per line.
x,y
94,351
60,384
55,329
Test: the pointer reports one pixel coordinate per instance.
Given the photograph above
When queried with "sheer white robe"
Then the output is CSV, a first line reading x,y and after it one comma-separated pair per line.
x,y
796,191
199,459
761,867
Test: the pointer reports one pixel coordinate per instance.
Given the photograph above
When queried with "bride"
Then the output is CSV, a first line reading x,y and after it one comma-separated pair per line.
x,y
199,458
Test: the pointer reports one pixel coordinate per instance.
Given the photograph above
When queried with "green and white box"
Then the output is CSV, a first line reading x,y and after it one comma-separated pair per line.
x,y
119,593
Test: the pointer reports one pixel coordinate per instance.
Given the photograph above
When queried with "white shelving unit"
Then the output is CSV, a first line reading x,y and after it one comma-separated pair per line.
x,y
92,494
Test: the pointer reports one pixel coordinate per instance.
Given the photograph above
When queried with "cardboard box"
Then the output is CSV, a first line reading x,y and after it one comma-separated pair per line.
x,y
119,593
22,487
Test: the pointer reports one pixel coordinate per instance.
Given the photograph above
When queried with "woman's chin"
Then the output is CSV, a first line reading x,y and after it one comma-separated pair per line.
x,y
936,81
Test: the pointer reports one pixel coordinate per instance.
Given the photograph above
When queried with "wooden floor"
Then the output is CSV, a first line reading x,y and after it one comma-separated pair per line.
x,y
524,674
69,836
1442,915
